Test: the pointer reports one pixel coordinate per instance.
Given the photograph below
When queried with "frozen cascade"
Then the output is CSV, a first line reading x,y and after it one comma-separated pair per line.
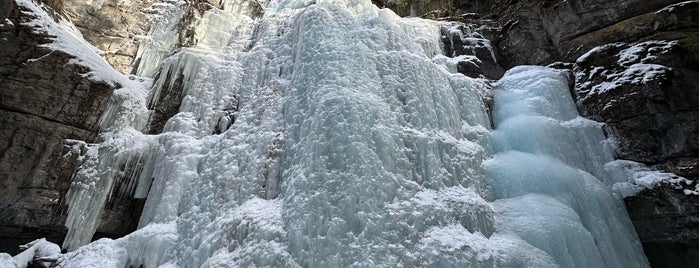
x,y
545,175
331,133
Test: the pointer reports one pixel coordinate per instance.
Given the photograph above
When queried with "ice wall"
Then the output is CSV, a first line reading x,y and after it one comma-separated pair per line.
x,y
332,134
548,173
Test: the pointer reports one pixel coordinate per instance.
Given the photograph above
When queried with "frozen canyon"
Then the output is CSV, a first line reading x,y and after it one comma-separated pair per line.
x,y
314,133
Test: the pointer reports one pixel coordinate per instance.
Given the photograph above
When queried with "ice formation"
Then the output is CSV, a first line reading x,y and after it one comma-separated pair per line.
x,y
322,133
549,175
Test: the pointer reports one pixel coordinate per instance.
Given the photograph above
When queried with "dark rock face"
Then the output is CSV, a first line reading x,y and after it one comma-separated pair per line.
x,y
648,96
473,39
544,31
416,7
47,107
667,223
523,38
574,27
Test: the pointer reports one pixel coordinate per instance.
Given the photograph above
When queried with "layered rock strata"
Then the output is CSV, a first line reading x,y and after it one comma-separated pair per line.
x,y
48,110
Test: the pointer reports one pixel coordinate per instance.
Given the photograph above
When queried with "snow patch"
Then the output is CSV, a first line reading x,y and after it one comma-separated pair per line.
x,y
68,39
642,177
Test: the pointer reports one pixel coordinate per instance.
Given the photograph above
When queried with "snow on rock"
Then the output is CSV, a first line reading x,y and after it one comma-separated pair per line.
x,y
629,87
642,177
634,66
672,7
38,253
126,112
68,39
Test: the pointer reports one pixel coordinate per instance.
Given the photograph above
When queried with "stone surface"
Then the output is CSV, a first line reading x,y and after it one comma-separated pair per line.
x,y
46,106
523,39
416,7
473,39
582,21
545,31
113,26
667,223
648,96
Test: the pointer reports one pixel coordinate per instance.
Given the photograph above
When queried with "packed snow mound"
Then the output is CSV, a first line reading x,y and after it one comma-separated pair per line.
x,y
37,253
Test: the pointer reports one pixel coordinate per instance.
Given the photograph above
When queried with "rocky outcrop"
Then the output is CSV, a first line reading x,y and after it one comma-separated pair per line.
x,y
545,31
123,29
470,45
574,27
114,26
418,7
667,222
47,107
648,96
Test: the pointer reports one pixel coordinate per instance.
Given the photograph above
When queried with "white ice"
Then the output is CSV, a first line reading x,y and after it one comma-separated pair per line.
x,y
543,175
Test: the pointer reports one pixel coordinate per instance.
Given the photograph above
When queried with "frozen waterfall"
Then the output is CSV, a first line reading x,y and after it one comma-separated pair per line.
x,y
322,133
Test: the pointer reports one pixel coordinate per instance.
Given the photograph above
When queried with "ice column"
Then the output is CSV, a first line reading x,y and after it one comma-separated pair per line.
x,y
544,175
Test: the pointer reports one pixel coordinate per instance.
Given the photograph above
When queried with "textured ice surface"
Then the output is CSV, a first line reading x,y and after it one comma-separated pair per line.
x,y
333,134
543,175
162,37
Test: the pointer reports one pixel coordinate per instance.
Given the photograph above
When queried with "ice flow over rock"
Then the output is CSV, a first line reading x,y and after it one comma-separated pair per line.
x,y
332,134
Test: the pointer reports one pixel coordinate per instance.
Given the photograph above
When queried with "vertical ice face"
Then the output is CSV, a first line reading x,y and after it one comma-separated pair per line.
x,y
161,39
544,175
365,129
325,134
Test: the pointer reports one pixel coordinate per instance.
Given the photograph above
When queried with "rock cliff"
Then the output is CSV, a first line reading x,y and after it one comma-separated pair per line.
x,y
48,110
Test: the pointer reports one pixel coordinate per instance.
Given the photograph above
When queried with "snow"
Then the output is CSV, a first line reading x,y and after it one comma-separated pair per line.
x,y
641,177
37,249
635,67
469,37
672,7
6,261
69,40
644,52
349,141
